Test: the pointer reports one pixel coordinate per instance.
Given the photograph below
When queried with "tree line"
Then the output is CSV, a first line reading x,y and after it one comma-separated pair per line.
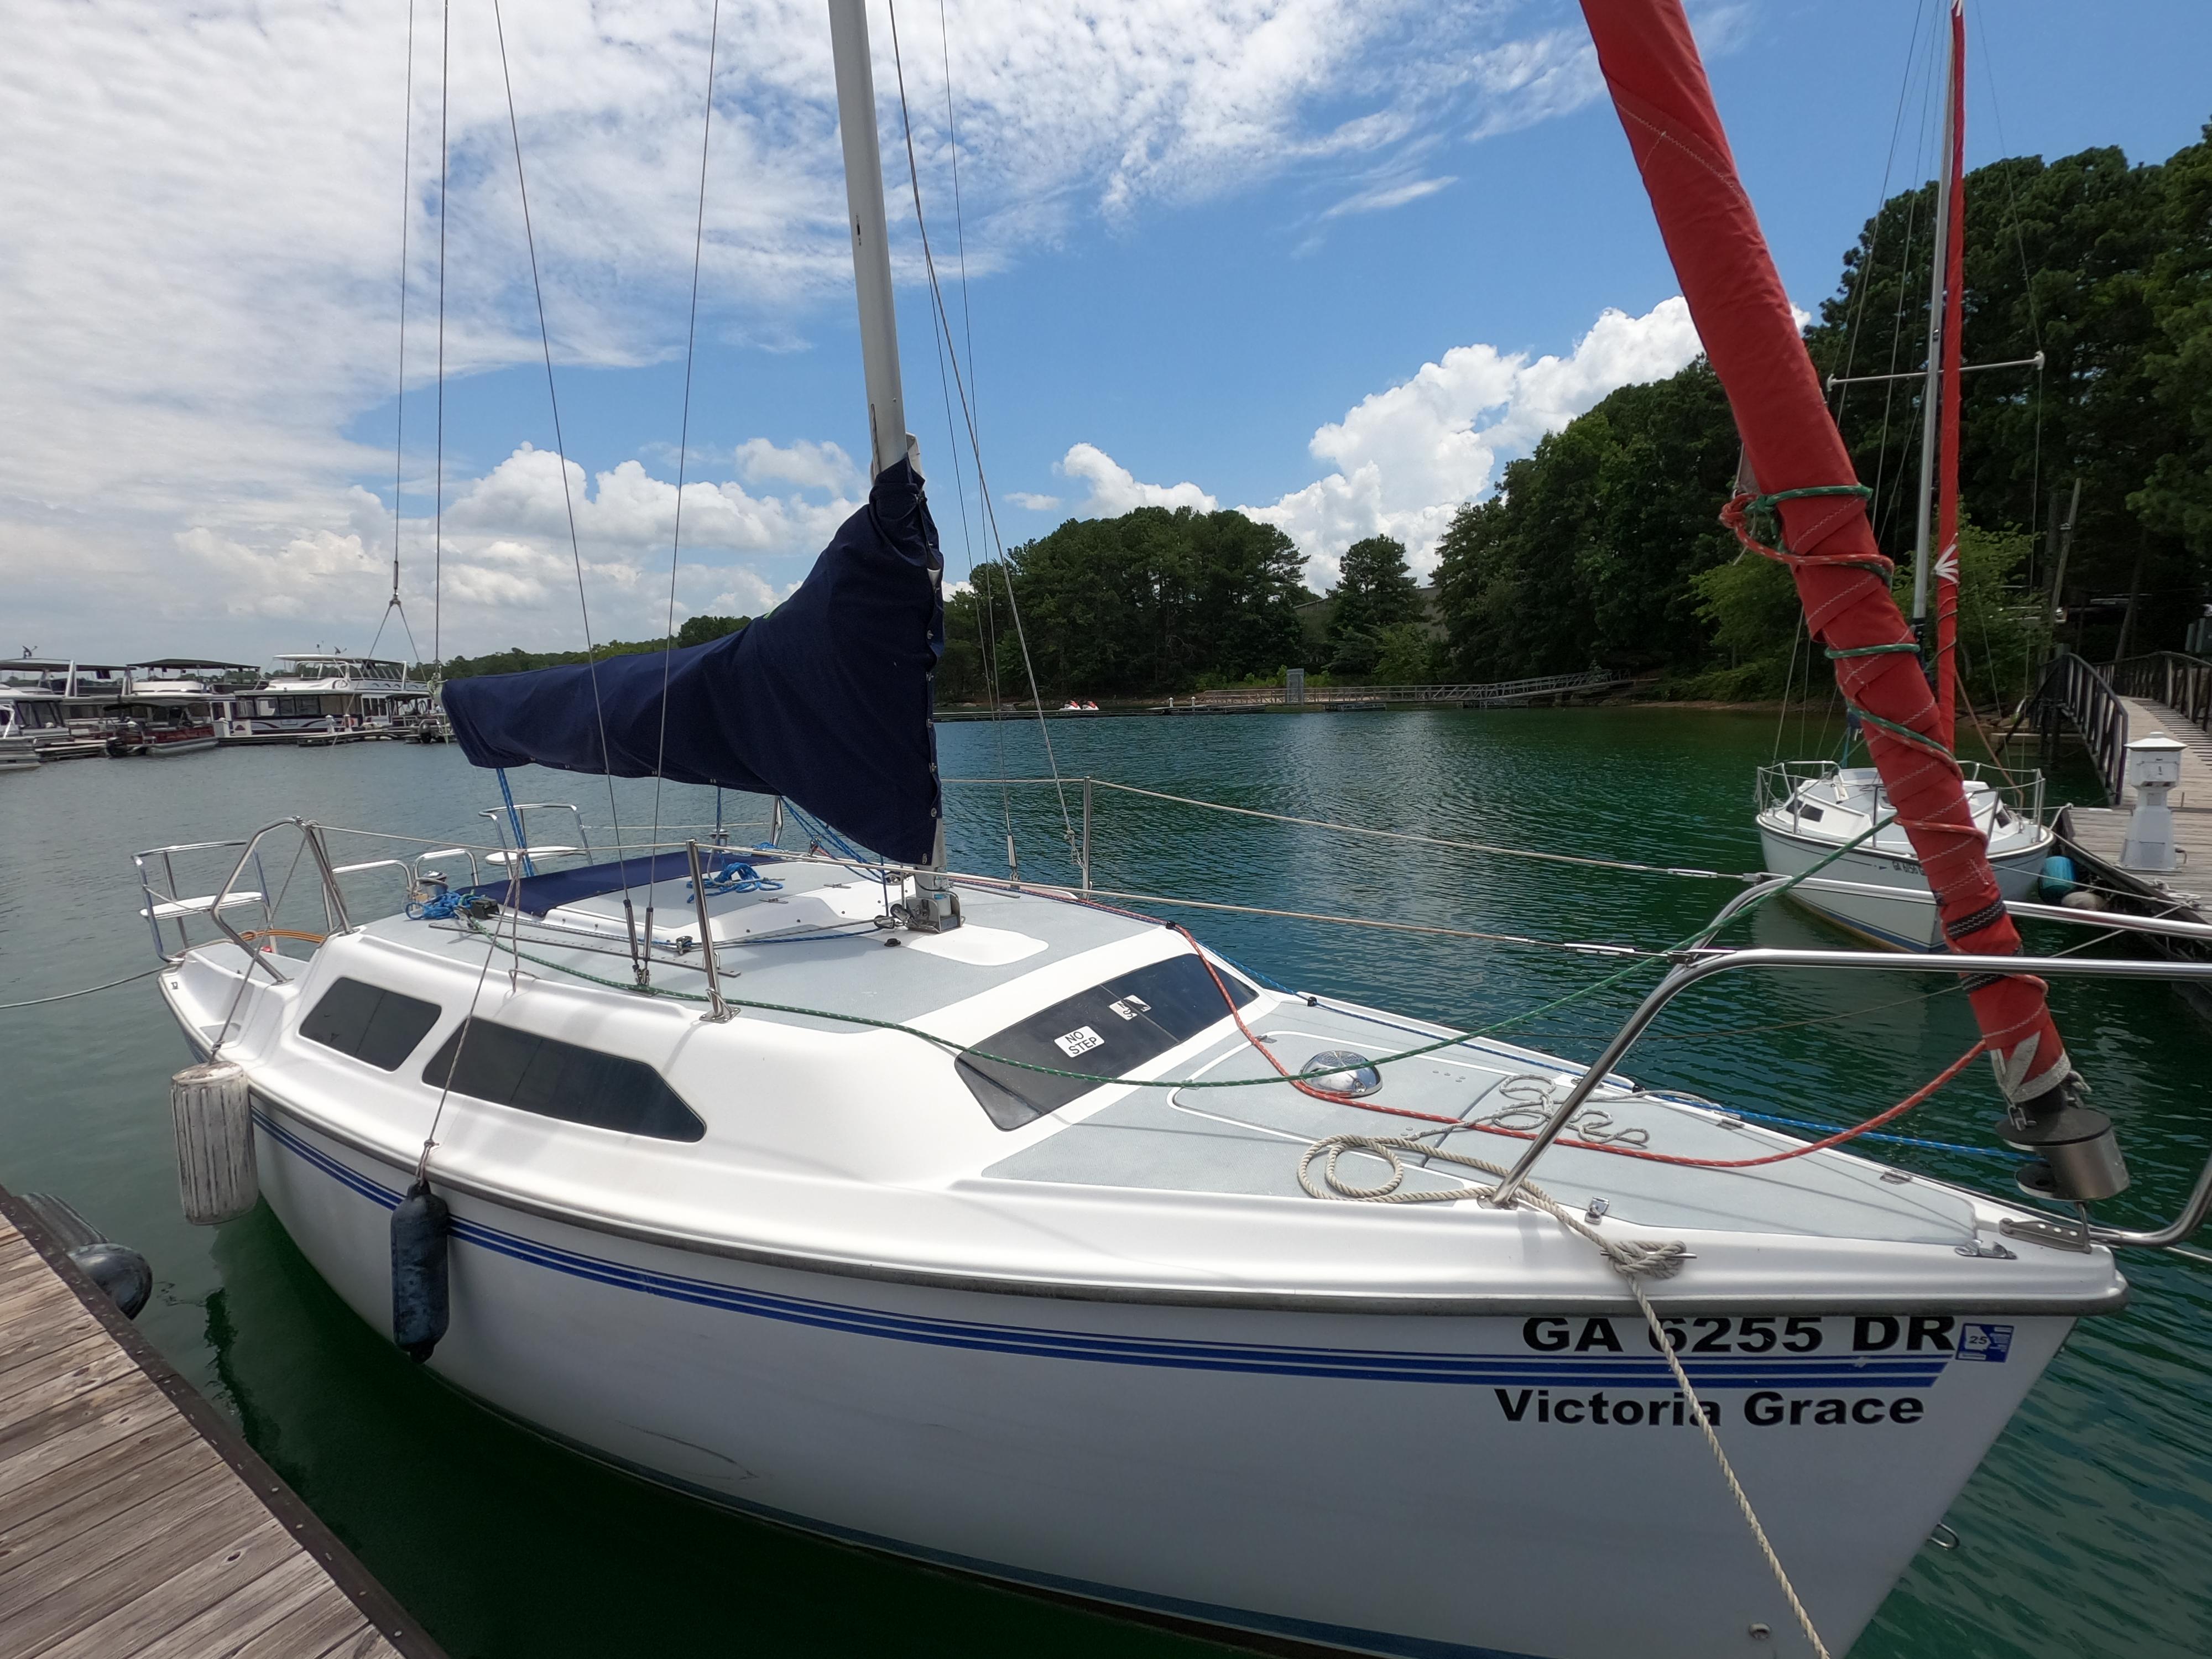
x,y
1602,545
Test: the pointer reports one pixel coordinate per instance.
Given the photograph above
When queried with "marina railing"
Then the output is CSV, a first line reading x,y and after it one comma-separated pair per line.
x,y
2074,691
2182,683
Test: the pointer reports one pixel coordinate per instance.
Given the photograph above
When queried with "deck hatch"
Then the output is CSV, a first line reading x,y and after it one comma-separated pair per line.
x,y
497,1063
370,1023
1104,1031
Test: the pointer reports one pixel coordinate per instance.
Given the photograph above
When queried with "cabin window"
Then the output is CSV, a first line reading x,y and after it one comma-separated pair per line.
x,y
370,1023
541,1075
1808,810
294,708
1103,1032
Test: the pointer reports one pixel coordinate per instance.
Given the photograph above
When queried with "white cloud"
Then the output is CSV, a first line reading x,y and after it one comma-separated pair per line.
x,y
809,466
1114,490
1033,503
201,263
1380,198
1406,458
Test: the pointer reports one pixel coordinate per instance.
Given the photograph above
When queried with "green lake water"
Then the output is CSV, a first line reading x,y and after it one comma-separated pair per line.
x,y
2088,1532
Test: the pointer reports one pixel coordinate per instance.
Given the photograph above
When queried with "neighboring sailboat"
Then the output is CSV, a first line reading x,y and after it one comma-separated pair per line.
x,y
1818,813
998,1228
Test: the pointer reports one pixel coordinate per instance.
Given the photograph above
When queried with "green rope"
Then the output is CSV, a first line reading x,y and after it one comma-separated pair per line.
x,y
1874,650
960,1050
1920,739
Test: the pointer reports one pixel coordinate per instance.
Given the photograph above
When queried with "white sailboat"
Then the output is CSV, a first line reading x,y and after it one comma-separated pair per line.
x,y
1836,819
1012,1232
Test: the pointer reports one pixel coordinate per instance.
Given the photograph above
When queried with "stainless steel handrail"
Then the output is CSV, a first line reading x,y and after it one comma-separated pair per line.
x,y
1707,965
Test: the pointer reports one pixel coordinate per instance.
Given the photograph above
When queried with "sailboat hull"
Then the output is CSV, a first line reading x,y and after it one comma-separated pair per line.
x,y
1387,1484
1909,922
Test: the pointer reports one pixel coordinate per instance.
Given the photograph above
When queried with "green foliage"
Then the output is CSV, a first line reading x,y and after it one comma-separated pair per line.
x,y
2176,499
1406,654
1143,604
1374,595
2102,266
697,630
1588,551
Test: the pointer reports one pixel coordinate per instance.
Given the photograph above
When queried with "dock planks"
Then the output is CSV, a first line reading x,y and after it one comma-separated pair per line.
x,y
135,1524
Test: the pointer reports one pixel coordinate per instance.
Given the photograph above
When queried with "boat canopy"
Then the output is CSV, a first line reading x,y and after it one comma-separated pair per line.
x,y
825,700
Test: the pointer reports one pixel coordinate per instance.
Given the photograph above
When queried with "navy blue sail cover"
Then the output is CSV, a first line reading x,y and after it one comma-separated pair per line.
x,y
826,700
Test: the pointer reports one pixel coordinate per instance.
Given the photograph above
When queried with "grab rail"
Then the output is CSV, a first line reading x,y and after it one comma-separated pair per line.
x,y
1706,966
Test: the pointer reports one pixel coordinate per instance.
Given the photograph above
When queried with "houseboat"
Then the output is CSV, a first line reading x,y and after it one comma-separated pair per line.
x,y
173,705
323,697
63,706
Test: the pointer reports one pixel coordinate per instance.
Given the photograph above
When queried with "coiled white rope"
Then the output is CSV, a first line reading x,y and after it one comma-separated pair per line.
x,y
1634,1260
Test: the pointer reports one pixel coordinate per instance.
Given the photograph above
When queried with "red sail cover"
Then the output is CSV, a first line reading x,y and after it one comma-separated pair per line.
x,y
1659,88
1947,465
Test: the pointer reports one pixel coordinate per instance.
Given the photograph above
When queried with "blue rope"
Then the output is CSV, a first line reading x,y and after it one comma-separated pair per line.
x,y
823,835
514,818
734,875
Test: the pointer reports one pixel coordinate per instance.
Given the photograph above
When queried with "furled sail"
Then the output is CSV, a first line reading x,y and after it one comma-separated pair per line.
x,y
825,700
1813,515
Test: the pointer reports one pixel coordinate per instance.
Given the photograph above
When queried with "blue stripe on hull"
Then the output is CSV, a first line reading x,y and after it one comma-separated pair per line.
x,y
1594,1370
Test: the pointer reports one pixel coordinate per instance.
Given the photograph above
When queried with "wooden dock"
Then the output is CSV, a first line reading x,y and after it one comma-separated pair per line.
x,y
2101,832
135,1522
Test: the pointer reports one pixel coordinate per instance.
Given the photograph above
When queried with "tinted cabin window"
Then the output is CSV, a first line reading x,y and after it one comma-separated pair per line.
x,y
370,1023
1105,1032
553,1078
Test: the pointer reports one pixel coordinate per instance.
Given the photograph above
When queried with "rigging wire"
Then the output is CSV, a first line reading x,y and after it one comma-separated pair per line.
x,y
560,455
399,398
943,320
438,508
985,608
683,454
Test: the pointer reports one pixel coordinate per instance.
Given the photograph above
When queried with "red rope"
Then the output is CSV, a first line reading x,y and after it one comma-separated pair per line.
x,y
1836,1140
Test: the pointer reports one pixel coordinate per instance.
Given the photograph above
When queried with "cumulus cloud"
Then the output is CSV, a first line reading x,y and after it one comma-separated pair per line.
x,y
1404,459
1032,502
1115,489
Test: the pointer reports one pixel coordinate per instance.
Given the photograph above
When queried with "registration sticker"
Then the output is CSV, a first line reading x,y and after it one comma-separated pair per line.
x,y
1990,1342
1081,1040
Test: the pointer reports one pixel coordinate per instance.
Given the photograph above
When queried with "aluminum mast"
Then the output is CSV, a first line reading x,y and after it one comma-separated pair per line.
x,y
872,255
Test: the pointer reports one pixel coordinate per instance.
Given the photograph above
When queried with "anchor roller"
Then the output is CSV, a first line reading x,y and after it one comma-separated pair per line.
x,y
421,1225
217,1178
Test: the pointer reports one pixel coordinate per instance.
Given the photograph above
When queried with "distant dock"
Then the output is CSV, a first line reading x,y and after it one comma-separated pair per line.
x,y
135,1522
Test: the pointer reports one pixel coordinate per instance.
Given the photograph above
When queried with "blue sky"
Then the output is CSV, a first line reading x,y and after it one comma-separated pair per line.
x,y
1199,238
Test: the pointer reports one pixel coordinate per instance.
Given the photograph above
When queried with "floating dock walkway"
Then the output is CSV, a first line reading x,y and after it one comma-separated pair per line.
x,y
135,1522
